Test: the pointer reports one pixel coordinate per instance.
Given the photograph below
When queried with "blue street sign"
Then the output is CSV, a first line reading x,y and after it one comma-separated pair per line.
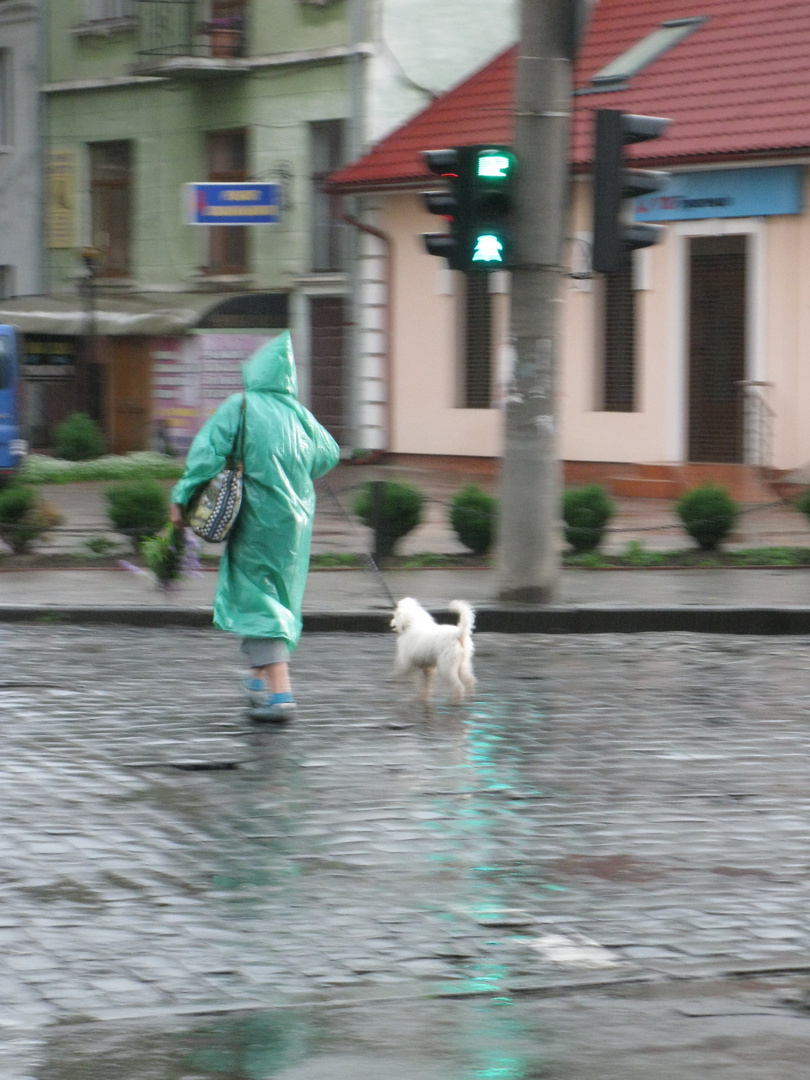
x,y
233,204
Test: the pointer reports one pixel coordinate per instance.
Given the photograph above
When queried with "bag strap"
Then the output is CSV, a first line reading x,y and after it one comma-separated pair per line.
x,y
237,454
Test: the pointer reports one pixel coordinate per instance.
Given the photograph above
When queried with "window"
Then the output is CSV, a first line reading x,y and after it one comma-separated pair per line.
x,y
111,206
328,235
619,341
106,10
476,337
6,282
227,162
641,54
6,134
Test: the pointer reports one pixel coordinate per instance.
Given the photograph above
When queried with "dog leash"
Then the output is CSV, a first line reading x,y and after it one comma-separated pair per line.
x,y
366,554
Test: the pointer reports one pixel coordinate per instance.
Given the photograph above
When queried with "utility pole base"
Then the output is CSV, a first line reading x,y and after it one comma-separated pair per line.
x,y
532,594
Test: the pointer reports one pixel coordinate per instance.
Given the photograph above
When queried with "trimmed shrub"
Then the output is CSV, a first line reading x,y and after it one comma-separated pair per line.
x,y
138,508
398,513
78,439
802,504
708,514
24,517
586,513
473,517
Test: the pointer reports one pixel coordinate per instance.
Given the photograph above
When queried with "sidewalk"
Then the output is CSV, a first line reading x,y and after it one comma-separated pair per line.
x,y
733,600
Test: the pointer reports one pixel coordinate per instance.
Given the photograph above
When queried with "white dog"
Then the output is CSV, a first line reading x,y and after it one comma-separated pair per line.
x,y
425,646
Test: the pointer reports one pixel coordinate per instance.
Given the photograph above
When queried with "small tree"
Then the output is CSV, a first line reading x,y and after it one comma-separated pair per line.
x,y
708,514
473,517
586,513
78,438
390,508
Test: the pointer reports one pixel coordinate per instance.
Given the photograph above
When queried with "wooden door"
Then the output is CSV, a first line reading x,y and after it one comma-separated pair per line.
x,y
129,394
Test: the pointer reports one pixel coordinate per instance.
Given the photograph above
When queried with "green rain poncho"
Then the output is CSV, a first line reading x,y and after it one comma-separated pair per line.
x,y
264,567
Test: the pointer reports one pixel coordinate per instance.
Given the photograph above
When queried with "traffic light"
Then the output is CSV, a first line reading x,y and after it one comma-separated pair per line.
x,y
447,203
613,235
492,174
477,203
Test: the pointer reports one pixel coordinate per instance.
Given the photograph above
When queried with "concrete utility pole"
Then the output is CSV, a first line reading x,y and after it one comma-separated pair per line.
x,y
530,485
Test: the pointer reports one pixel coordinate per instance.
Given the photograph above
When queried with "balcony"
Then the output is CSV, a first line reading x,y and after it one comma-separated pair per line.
x,y
186,39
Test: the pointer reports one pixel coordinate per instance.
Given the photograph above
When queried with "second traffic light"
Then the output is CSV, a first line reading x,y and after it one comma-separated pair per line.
x,y
613,235
478,205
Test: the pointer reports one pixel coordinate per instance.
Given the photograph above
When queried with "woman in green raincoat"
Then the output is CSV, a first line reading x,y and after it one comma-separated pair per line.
x,y
264,567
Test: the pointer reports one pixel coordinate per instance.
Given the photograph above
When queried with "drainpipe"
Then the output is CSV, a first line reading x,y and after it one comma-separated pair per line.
x,y
388,322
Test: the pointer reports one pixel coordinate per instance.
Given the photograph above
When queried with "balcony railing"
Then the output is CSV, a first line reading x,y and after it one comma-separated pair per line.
x,y
170,30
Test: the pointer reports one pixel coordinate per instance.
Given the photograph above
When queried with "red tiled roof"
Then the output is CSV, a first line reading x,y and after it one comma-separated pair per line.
x,y
737,87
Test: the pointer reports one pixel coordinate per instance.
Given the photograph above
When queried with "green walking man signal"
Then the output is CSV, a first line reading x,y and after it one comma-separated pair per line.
x,y
478,204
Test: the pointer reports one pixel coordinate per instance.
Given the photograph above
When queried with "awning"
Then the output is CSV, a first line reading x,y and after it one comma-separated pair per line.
x,y
125,314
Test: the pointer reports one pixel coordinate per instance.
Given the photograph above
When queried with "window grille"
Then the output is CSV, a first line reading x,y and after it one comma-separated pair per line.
x,y
477,337
619,374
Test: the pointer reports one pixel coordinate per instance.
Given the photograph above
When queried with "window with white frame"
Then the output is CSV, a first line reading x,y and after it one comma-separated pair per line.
x,y
6,134
107,10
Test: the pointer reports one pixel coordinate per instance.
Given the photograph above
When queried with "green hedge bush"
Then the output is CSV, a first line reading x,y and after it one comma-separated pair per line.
x,y
586,513
138,508
474,518
78,438
708,514
400,511
24,517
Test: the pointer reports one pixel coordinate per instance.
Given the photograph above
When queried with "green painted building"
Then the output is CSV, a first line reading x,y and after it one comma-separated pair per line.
x,y
147,317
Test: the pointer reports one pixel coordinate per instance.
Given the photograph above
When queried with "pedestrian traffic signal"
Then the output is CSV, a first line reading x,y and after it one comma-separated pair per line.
x,y
477,203
492,178
614,236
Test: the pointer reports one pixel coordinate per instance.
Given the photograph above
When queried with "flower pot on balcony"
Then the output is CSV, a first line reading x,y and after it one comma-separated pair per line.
x,y
225,41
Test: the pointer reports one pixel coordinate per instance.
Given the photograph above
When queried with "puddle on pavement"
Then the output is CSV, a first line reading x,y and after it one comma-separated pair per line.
x,y
744,1029
410,1040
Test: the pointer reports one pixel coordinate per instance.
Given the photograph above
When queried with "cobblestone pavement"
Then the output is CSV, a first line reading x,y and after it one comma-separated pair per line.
x,y
609,808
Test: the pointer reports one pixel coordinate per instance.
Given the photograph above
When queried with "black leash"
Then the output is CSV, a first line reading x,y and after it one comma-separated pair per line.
x,y
367,556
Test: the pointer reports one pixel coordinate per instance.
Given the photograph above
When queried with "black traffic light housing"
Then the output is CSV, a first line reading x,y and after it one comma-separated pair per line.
x,y
446,203
477,203
614,236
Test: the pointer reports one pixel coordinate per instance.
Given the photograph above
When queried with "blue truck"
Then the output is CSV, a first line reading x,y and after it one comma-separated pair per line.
x,y
12,447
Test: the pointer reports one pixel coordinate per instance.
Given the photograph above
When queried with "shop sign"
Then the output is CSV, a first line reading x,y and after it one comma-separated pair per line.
x,y
233,204
48,359
725,193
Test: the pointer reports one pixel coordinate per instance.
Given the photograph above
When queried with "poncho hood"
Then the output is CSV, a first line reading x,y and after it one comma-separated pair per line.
x,y
272,368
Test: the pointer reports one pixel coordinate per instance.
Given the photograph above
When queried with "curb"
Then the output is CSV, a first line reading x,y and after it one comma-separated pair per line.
x,y
594,619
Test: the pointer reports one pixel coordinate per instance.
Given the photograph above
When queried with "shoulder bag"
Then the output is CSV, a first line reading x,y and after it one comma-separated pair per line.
x,y
214,507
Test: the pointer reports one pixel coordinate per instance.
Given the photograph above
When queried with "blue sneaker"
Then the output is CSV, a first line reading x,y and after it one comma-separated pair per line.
x,y
255,690
273,709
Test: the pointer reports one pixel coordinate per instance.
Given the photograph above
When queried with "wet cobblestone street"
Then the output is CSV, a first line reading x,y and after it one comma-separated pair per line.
x,y
609,808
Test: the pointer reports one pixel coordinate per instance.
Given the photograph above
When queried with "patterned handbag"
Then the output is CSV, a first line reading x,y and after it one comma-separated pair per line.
x,y
214,507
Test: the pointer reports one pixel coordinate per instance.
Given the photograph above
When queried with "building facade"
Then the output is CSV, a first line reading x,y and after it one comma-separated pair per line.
x,y
146,315
695,352
20,148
